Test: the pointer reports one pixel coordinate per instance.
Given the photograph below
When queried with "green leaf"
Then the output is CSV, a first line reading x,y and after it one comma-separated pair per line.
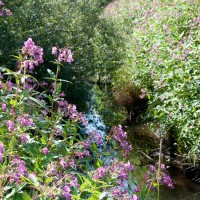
x,y
34,179
12,143
10,194
94,147
99,163
13,102
49,180
94,197
37,102
64,81
58,88
26,196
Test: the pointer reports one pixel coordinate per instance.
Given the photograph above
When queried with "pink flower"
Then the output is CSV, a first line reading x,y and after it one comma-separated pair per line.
x,y
45,150
1,147
54,50
23,138
63,164
65,54
32,54
3,106
1,158
134,197
10,125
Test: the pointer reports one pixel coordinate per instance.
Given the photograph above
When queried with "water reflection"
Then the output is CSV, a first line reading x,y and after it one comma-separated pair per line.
x,y
185,189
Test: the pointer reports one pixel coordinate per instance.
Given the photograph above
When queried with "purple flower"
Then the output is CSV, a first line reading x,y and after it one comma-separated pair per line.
x,y
26,120
8,13
72,164
28,87
54,50
10,86
1,148
65,54
12,111
121,136
1,85
134,197
45,150
63,164
86,144
62,94
66,193
3,106
137,189
99,139
10,125
1,158
23,138
19,169
74,182
44,84
80,155
100,173
152,168
170,185
87,153
163,168
128,166
32,54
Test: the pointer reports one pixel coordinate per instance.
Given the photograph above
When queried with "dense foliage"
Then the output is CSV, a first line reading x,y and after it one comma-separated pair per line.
x,y
77,24
162,62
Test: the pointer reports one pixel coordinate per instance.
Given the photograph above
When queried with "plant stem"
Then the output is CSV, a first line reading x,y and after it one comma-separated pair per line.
x,y
159,167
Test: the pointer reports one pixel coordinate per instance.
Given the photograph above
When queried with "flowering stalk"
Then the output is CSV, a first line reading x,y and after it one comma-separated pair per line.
x,y
63,55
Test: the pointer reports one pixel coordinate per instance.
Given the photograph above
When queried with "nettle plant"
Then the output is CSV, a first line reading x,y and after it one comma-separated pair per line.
x,y
42,153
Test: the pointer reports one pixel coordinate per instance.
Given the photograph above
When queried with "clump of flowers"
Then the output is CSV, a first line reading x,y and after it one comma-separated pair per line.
x,y
25,120
121,136
69,110
163,178
32,54
18,170
63,54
